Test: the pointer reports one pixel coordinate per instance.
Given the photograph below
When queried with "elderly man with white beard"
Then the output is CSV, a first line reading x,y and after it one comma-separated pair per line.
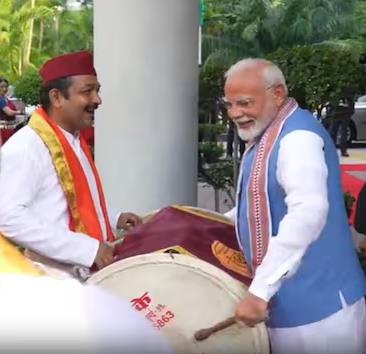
x,y
291,221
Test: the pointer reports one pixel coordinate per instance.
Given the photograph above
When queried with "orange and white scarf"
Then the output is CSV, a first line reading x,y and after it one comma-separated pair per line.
x,y
259,215
82,212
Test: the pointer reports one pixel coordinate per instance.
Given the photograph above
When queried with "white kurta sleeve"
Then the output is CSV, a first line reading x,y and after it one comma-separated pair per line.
x,y
302,173
231,214
21,178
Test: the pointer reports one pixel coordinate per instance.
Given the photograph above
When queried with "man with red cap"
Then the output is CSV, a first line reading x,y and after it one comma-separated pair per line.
x,y
52,198
40,314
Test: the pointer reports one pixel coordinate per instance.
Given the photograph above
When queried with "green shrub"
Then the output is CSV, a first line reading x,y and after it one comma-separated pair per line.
x,y
316,74
211,132
27,87
211,152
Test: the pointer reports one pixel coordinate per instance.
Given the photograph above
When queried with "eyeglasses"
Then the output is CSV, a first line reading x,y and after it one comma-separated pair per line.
x,y
242,102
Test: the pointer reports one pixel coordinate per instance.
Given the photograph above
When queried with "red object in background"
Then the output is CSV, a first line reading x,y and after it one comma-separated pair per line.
x,y
352,184
88,135
6,134
11,105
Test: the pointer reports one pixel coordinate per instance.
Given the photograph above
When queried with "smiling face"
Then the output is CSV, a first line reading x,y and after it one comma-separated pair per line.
x,y
251,104
75,111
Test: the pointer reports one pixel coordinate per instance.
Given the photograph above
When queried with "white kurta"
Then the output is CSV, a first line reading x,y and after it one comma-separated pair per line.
x,y
43,315
302,173
33,206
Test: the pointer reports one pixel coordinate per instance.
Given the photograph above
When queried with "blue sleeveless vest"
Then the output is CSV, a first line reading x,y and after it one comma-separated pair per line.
x,y
330,265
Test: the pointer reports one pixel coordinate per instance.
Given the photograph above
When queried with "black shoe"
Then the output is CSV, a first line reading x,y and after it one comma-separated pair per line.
x,y
345,154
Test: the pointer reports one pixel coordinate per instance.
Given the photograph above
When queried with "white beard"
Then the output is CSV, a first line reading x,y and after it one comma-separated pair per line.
x,y
251,133
255,130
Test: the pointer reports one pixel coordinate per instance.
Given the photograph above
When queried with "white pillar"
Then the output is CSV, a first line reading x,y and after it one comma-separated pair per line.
x,y
146,129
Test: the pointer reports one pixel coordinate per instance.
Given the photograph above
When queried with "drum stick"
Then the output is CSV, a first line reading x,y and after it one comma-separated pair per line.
x,y
203,334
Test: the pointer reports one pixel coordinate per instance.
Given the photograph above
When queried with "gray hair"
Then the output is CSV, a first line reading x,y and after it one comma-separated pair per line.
x,y
272,74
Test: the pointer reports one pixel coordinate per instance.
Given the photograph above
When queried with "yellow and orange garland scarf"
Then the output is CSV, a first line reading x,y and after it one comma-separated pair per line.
x,y
82,213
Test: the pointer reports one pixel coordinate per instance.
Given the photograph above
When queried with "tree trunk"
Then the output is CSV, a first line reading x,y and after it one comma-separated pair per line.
x,y
28,44
217,200
230,196
57,29
20,62
41,32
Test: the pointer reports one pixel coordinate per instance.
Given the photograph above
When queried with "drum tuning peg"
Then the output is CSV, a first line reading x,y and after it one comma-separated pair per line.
x,y
171,252
81,273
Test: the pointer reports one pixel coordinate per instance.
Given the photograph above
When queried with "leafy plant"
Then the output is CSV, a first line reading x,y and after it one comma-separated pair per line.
x,y
211,152
262,26
220,176
320,73
32,31
211,132
28,86
210,89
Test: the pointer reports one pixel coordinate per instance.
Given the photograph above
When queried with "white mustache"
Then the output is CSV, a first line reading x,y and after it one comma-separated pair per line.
x,y
243,120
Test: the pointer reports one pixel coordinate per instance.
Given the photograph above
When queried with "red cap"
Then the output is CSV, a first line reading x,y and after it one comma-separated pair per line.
x,y
72,64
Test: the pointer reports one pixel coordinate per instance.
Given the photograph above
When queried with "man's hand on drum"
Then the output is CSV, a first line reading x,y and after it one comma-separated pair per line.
x,y
104,256
251,310
127,221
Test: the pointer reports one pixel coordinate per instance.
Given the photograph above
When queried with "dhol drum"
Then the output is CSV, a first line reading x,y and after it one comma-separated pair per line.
x,y
183,271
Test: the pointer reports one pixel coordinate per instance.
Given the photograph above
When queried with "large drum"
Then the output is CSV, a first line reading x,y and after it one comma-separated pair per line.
x,y
183,271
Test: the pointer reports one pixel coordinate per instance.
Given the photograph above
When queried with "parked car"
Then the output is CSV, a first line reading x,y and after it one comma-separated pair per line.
x,y
357,128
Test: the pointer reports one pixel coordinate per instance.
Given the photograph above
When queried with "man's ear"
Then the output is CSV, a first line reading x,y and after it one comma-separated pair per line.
x,y
56,98
279,94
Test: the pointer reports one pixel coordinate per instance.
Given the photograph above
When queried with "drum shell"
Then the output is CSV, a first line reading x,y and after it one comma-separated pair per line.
x,y
181,294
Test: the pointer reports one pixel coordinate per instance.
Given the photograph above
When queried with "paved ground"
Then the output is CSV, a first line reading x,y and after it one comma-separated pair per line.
x,y
357,157
206,197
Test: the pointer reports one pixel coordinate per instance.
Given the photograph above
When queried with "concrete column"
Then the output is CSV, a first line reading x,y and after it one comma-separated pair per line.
x,y
146,129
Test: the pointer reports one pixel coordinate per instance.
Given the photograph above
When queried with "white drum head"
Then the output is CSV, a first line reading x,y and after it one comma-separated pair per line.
x,y
180,296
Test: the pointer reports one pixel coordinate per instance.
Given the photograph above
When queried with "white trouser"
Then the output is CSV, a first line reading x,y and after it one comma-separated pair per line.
x,y
341,333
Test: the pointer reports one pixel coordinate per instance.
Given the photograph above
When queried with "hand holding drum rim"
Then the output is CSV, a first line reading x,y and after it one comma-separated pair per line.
x,y
105,255
127,221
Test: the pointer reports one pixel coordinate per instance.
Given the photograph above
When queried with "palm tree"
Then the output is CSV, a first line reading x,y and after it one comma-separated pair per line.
x,y
314,21
76,29
17,32
262,26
